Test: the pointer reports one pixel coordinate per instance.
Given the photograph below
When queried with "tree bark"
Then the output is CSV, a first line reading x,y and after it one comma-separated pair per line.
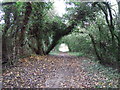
x,y
54,43
40,50
23,28
8,3
95,48
4,50
118,38
119,30
25,22
4,37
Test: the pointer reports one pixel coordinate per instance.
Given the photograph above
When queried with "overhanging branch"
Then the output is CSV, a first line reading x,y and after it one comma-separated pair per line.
x,y
7,3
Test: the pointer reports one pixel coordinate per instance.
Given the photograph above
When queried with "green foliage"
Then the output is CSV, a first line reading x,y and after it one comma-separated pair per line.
x,y
54,53
43,32
19,6
78,42
83,11
102,37
108,72
78,54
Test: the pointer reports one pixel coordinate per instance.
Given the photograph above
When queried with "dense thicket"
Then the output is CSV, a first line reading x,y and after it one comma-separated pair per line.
x,y
31,28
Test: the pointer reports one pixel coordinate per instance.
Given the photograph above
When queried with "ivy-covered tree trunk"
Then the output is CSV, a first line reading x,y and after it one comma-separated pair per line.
x,y
23,27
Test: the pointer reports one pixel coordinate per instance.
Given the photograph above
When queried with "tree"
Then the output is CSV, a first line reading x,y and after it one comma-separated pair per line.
x,y
76,15
29,27
37,27
4,37
106,9
12,27
118,22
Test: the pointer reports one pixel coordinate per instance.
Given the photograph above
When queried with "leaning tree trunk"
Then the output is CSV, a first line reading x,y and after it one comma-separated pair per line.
x,y
54,43
95,49
59,35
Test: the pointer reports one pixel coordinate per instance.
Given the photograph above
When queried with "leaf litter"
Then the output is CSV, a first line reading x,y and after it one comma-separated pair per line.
x,y
62,71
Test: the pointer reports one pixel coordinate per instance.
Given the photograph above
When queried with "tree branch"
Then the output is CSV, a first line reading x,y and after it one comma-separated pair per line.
x,y
7,3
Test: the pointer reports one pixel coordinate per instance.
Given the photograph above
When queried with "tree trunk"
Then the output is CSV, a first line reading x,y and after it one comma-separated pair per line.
x,y
4,50
119,31
4,37
25,22
23,27
109,22
119,37
40,50
58,36
54,43
100,44
8,3
95,48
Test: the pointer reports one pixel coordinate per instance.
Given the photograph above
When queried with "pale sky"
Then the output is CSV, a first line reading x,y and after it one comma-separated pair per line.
x,y
60,7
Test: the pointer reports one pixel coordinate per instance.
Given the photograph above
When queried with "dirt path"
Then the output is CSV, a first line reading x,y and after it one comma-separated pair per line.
x,y
63,71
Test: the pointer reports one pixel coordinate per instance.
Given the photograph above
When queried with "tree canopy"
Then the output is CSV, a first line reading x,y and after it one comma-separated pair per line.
x,y
30,27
